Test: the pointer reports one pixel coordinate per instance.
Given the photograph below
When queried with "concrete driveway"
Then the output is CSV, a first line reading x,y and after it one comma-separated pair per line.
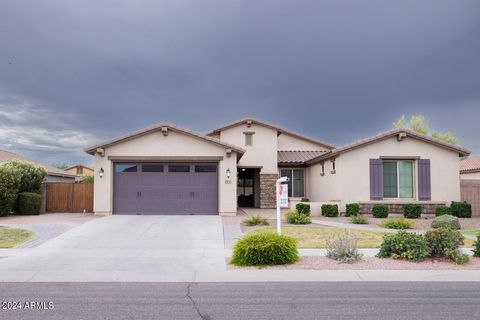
x,y
124,248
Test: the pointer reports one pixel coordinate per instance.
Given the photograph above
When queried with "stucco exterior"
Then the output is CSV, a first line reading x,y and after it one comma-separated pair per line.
x,y
288,142
470,176
174,145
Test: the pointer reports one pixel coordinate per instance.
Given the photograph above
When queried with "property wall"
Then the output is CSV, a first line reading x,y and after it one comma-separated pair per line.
x,y
287,142
470,176
51,178
173,145
262,153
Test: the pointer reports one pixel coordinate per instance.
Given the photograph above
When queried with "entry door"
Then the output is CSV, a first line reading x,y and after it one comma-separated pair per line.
x,y
166,188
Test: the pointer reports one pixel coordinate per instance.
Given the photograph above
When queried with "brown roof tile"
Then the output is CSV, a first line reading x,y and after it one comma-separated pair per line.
x,y
6,155
470,165
297,157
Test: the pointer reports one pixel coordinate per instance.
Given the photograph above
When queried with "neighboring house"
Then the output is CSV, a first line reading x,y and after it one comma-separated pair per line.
x,y
166,169
80,171
54,174
470,169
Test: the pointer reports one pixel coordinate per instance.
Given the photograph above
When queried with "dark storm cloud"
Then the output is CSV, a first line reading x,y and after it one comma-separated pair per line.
x,y
72,73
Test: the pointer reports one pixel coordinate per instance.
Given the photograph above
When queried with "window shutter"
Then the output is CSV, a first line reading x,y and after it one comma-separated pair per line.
x,y
424,180
376,179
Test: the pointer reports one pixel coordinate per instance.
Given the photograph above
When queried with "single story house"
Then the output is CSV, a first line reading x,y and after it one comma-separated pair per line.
x,y
80,171
470,169
54,174
166,169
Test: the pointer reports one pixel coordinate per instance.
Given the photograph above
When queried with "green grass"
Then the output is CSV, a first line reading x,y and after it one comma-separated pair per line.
x,y
12,237
471,232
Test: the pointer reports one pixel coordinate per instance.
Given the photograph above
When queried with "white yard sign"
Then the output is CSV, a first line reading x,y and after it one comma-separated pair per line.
x,y
282,200
283,195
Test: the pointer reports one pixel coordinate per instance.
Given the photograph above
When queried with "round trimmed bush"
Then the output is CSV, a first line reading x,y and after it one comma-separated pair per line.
x,y
352,209
264,248
442,210
380,210
445,243
330,210
461,209
446,221
303,208
28,203
404,245
412,211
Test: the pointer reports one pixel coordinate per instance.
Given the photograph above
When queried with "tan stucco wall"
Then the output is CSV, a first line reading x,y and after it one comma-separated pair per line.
x,y
470,176
353,175
262,153
157,145
323,188
288,142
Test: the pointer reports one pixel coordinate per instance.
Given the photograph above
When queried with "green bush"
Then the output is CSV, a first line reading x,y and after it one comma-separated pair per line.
x,y
352,209
32,176
359,220
88,179
255,221
404,245
264,248
446,221
303,208
476,247
28,203
461,209
294,217
380,210
442,210
330,210
412,211
445,243
10,178
399,224
343,248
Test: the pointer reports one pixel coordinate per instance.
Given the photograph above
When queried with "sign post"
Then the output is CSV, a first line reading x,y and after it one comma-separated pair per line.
x,y
282,200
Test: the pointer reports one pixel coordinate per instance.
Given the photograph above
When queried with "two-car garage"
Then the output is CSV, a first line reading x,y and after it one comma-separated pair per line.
x,y
175,188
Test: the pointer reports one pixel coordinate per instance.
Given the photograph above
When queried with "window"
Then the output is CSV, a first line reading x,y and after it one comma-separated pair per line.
x,y
126,168
205,168
179,168
248,138
152,168
79,170
398,179
296,183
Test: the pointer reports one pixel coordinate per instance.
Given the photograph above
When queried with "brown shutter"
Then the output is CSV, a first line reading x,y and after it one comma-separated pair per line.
x,y
376,179
424,180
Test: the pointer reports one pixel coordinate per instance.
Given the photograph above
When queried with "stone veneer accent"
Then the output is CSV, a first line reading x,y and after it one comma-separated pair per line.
x,y
427,208
267,191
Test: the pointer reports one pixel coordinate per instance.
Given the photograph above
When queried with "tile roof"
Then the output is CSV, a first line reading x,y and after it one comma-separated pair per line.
x,y
470,165
297,157
274,127
389,134
52,171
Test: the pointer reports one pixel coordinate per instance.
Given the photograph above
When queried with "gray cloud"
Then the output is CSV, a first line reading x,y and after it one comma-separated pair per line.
x,y
336,70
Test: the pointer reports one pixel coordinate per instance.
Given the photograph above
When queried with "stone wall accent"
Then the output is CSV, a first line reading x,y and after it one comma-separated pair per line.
x,y
267,191
427,208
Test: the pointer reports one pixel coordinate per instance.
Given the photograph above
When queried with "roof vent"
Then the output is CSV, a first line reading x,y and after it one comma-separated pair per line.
x,y
401,136
165,131
249,123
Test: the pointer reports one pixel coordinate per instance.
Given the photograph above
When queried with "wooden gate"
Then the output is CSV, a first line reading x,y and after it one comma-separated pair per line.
x,y
69,197
470,191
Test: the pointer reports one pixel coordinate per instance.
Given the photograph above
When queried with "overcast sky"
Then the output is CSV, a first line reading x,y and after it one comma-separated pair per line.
x,y
73,73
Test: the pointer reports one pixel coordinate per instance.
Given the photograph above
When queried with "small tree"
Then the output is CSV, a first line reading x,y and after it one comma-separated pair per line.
x,y
419,124
446,137
32,176
60,165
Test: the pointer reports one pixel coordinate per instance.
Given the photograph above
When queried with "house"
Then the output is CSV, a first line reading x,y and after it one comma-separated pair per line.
x,y
80,171
167,169
54,174
470,168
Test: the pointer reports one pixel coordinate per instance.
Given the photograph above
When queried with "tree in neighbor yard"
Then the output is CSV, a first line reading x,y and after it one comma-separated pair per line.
x,y
419,124
60,165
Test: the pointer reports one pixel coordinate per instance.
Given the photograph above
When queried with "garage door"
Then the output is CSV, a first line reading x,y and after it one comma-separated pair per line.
x,y
165,188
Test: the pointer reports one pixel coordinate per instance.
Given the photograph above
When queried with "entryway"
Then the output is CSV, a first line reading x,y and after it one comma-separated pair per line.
x,y
248,187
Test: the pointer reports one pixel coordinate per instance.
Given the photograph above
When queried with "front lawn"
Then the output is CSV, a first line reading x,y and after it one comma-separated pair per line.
x,y
12,237
471,232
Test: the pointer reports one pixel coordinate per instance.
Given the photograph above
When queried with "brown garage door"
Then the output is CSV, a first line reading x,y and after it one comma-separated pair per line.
x,y
166,188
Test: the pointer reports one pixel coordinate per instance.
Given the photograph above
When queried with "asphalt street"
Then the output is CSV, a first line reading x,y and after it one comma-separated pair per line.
x,y
287,300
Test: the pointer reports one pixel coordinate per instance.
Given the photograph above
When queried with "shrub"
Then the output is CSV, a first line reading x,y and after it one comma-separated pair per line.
x,y
264,248
10,178
255,221
303,208
404,245
352,209
294,217
359,220
476,247
446,221
330,210
343,248
28,203
442,210
399,224
380,210
445,243
412,211
32,176
88,179
461,209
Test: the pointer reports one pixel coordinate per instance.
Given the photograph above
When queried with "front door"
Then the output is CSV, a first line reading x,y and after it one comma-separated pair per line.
x,y
246,187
